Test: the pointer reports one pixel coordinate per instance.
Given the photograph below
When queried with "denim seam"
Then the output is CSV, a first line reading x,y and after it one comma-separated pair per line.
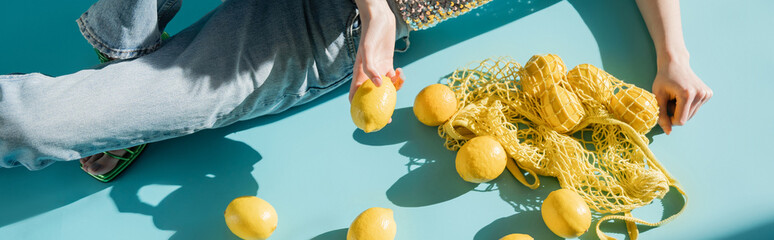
x,y
349,34
164,9
166,6
101,46
349,74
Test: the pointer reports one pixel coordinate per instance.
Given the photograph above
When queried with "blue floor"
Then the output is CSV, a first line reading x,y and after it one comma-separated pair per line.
x,y
319,172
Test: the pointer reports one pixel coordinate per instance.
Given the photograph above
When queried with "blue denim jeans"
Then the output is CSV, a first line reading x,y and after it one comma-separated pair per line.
x,y
245,59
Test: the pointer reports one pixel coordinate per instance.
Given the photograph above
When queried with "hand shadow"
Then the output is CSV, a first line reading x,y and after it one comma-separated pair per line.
x,y
432,177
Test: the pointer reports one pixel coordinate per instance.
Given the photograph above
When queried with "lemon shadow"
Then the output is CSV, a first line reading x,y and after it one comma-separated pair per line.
x,y
337,234
431,177
526,204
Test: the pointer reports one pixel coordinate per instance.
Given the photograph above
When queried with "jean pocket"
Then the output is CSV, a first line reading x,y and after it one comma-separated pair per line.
x,y
334,64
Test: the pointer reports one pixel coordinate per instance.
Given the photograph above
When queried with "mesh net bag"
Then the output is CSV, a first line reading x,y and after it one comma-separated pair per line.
x,y
636,107
554,124
541,72
561,109
591,83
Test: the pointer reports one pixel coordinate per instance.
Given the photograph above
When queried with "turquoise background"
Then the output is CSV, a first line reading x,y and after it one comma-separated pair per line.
x,y
319,172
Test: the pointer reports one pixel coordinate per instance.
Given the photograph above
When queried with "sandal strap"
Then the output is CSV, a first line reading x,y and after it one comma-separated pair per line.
x,y
116,156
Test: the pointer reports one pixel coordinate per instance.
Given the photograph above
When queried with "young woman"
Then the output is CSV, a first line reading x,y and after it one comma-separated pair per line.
x,y
244,59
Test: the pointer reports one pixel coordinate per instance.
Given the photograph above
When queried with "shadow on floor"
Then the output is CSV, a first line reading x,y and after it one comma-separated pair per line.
x,y
478,21
338,234
205,166
763,231
208,171
208,167
526,206
431,176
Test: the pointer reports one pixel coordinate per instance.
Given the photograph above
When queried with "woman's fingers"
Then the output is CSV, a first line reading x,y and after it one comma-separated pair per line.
x,y
353,87
684,101
373,73
698,100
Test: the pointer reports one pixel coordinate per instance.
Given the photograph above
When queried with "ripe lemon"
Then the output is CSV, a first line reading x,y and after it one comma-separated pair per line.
x,y
251,218
561,109
637,107
517,236
373,224
566,214
591,81
481,159
372,106
542,71
435,104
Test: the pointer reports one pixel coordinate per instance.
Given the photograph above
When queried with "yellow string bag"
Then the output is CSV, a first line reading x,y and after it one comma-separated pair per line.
x,y
565,130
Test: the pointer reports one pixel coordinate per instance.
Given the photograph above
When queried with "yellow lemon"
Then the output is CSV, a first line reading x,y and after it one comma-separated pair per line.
x,y
435,104
373,224
372,106
542,71
566,214
481,159
637,107
561,109
517,236
251,218
591,81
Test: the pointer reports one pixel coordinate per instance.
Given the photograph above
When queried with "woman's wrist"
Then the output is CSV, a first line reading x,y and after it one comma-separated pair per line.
x,y
370,9
672,56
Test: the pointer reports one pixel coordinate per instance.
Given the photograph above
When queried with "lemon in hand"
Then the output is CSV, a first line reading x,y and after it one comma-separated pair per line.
x,y
481,159
435,104
373,224
372,106
251,218
566,214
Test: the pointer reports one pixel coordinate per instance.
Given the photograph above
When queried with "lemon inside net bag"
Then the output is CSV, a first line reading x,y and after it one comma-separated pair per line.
x,y
584,127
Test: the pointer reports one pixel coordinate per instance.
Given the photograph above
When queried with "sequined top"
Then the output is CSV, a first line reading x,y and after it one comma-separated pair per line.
x,y
422,14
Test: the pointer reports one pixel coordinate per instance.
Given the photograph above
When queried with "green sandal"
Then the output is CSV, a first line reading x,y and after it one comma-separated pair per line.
x,y
123,162
134,152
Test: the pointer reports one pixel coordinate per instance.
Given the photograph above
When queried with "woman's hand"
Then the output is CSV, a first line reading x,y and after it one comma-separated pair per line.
x,y
676,84
377,45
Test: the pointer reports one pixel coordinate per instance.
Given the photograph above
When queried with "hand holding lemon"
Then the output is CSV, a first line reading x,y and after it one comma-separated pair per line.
x,y
373,102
